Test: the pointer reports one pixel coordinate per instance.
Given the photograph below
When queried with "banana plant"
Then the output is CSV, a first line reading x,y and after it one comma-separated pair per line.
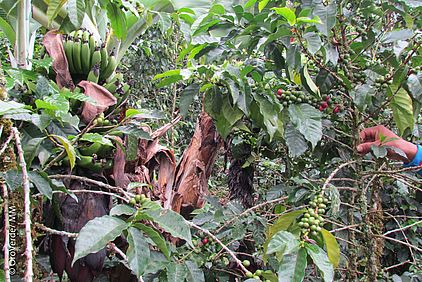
x,y
20,30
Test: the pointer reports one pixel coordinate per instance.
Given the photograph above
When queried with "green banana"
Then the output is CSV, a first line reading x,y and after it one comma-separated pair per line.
x,y
67,46
93,165
112,86
85,35
92,44
90,150
125,88
96,58
76,51
104,58
117,76
94,74
85,161
111,67
85,53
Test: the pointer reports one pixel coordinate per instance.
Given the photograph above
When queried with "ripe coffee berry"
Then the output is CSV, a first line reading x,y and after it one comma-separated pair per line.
x,y
279,92
205,241
324,105
336,109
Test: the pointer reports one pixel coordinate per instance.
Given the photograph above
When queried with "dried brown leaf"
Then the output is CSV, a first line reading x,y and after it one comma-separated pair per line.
x,y
100,95
54,45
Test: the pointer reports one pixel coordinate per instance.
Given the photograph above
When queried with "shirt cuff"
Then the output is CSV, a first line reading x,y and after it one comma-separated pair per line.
x,y
417,160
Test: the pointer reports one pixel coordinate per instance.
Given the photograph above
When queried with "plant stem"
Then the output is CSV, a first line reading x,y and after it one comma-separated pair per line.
x,y
6,232
27,211
22,32
230,252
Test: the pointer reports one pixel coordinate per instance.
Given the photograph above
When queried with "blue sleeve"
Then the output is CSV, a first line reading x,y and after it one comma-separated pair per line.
x,y
417,160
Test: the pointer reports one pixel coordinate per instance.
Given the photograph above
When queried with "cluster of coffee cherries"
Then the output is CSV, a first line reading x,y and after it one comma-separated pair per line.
x,y
381,82
139,199
329,103
312,221
294,96
258,273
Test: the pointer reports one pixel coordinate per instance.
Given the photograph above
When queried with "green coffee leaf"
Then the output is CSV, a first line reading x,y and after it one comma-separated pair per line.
x,y
70,150
138,253
155,237
282,242
171,222
306,79
401,104
286,13
321,260
176,272
122,210
332,247
195,274
307,120
292,268
96,234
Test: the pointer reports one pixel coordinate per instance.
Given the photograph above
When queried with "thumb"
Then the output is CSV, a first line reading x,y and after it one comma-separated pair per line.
x,y
364,148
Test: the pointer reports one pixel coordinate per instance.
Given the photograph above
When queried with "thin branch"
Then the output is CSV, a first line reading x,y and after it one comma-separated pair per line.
x,y
128,195
339,142
406,169
230,252
397,265
89,191
399,241
248,211
351,227
27,202
5,144
6,232
404,235
402,228
55,232
344,179
346,188
328,180
113,247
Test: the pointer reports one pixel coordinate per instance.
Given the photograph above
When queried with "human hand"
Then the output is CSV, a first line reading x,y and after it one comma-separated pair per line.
x,y
380,135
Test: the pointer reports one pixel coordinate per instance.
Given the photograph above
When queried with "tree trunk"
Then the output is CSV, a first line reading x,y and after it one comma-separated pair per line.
x,y
240,178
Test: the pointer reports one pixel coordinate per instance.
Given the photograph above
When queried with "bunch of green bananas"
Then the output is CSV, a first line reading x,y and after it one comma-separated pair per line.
x,y
87,57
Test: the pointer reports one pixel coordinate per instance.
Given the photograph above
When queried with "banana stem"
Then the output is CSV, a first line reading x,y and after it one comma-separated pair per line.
x,y
22,30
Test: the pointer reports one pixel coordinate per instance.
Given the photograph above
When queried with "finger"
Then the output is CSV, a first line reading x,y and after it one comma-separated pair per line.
x,y
364,148
368,134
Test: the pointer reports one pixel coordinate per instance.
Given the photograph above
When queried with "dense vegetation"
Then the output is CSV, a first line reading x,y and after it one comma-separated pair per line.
x,y
192,141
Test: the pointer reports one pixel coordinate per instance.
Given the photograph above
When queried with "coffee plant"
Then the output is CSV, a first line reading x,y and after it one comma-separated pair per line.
x,y
120,121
